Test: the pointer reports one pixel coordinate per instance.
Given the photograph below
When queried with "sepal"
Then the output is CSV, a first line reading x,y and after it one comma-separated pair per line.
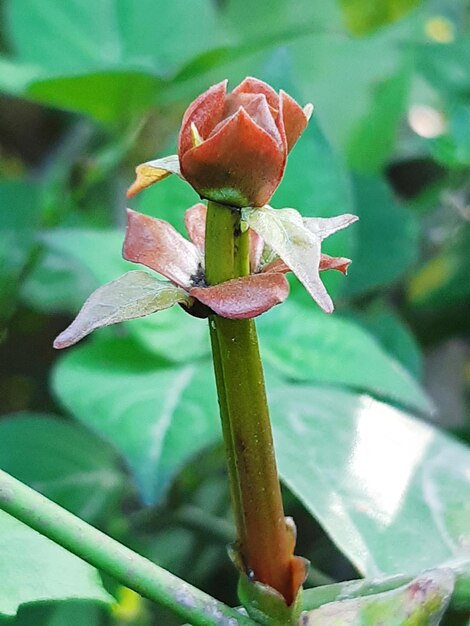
x,y
284,232
130,296
266,606
152,172
245,297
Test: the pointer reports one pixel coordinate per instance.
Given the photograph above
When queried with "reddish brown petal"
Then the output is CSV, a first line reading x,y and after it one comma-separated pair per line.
x,y
294,118
240,165
195,222
254,85
326,263
257,108
243,298
334,263
156,244
205,112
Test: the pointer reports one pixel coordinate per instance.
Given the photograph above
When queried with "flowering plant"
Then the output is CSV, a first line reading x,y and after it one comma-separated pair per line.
x,y
232,149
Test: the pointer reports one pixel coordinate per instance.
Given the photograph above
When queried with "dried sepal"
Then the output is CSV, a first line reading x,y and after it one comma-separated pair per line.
x,y
283,230
152,172
246,297
130,296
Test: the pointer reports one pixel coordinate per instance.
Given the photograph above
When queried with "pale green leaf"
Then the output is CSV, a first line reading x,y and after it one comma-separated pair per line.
x,y
157,416
306,345
34,569
422,602
82,475
135,294
391,491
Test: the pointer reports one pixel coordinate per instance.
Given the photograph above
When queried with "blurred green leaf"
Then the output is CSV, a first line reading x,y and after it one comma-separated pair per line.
x,y
97,251
423,601
16,77
158,417
374,136
393,335
106,96
107,60
173,335
34,569
21,214
335,72
387,238
74,263
307,345
443,280
392,492
69,613
81,474
67,38
446,66
453,148
277,19
363,16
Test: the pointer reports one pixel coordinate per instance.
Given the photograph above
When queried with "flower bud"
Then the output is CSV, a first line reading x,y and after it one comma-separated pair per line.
x,y
233,147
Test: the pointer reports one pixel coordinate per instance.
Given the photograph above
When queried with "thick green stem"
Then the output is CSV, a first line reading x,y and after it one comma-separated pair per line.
x,y
126,566
264,542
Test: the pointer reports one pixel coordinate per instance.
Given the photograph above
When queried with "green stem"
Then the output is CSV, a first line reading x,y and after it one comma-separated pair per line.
x,y
234,483
264,542
126,566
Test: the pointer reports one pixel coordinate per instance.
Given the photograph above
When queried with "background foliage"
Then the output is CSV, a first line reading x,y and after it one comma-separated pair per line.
x,y
123,430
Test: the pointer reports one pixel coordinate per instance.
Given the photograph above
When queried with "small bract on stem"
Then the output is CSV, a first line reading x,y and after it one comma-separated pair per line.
x,y
232,150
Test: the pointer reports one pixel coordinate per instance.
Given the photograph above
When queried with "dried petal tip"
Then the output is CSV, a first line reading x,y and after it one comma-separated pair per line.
x,y
152,172
308,110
